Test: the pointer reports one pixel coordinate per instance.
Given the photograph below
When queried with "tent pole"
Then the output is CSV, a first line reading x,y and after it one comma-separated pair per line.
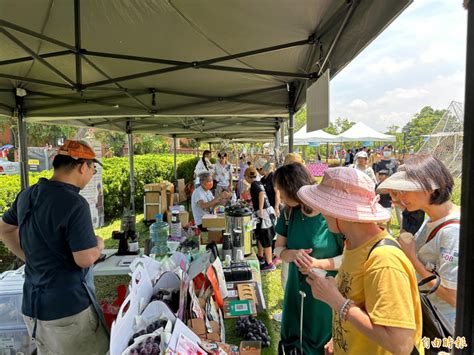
x,y
277,146
174,159
464,305
210,147
327,153
22,142
132,168
291,114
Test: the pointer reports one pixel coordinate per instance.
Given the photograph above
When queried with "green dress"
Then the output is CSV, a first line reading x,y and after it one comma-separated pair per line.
x,y
303,232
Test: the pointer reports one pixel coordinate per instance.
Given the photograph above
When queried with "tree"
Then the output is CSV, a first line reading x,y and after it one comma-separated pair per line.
x,y
421,124
40,134
341,125
393,131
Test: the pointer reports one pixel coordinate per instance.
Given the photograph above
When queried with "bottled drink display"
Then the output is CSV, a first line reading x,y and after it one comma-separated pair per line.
x,y
227,246
175,229
159,233
238,244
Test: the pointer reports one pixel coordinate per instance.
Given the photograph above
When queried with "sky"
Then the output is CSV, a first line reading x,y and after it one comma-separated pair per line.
x,y
419,60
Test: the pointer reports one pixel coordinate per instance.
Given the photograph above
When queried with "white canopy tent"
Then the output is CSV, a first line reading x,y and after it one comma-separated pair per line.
x,y
361,132
302,137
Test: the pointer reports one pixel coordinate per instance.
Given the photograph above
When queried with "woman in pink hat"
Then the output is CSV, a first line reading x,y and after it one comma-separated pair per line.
x,y
375,293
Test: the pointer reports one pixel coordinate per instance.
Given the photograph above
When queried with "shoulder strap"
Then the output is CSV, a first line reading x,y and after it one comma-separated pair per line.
x,y
435,231
383,242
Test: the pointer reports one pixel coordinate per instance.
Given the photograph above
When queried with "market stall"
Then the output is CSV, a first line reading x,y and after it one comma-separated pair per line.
x,y
186,283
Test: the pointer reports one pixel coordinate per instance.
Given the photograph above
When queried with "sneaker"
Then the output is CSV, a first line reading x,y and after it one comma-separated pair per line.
x,y
268,267
277,317
276,260
261,260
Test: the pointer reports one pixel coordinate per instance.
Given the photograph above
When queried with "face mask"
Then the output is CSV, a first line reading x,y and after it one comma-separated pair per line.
x,y
208,185
387,153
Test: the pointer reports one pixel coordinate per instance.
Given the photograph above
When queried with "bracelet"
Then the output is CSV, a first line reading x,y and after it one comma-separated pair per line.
x,y
278,250
345,312
343,307
346,315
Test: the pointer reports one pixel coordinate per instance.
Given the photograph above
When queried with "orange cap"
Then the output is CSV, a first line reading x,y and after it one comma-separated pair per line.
x,y
78,150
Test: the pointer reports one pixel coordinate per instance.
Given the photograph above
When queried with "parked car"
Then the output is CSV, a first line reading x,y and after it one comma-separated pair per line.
x,y
9,167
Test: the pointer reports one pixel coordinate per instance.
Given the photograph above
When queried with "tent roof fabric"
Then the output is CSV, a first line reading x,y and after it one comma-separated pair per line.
x,y
302,137
361,132
138,65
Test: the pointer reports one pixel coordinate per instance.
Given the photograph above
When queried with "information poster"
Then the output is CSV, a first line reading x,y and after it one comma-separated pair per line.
x,y
93,192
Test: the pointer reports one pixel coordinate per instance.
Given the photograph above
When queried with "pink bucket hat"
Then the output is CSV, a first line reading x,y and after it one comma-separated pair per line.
x,y
347,194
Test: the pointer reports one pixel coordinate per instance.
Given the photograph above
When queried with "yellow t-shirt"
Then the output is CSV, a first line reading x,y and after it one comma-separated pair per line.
x,y
385,286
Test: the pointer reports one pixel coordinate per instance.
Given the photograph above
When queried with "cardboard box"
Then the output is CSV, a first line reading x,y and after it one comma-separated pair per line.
x,y
150,210
250,347
213,221
199,327
182,191
215,235
183,217
159,195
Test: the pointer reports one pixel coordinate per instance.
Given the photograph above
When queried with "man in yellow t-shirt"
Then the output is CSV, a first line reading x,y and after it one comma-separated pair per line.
x,y
375,299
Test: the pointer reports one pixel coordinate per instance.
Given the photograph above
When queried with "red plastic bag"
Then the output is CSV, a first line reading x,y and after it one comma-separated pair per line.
x,y
111,310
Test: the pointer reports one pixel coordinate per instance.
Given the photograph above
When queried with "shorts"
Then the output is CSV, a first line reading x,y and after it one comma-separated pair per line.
x,y
264,236
82,333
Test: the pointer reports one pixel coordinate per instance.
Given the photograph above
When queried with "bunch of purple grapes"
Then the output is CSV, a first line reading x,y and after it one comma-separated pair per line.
x,y
170,297
149,347
150,329
252,329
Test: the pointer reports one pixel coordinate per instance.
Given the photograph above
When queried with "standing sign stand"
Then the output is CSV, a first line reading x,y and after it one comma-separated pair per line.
x,y
93,192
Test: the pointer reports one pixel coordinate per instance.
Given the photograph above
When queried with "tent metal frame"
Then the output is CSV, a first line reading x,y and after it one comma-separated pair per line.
x,y
465,291
175,65
464,321
82,55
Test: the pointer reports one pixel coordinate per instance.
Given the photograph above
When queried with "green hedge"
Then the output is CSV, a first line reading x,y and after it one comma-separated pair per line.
x,y
10,186
149,168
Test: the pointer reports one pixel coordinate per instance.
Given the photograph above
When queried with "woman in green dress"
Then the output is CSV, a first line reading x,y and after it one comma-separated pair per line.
x,y
304,242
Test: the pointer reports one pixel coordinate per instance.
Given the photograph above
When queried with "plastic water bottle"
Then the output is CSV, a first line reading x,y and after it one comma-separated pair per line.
x,y
175,229
159,232
233,200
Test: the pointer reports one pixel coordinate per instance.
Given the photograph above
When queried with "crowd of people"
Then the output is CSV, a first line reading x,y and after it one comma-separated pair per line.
x,y
366,298
351,284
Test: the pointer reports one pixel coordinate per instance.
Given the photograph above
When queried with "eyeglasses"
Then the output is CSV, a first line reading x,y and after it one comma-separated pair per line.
x,y
93,167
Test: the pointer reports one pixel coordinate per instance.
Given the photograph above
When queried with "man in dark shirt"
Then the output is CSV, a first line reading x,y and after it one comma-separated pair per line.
x,y
385,199
390,164
264,235
49,226
387,162
265,170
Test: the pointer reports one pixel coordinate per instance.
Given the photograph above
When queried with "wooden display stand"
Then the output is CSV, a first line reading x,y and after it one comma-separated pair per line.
x,y
157,199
